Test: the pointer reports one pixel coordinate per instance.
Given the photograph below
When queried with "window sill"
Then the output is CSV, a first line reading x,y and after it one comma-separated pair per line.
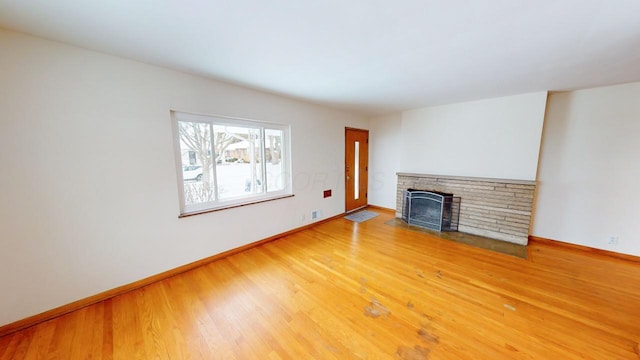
x,y
198,212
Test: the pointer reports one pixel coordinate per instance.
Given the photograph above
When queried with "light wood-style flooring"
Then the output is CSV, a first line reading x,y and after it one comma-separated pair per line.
x,y
343,290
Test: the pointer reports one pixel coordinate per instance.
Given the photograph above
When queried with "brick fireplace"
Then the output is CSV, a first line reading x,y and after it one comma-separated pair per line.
x,y
495,208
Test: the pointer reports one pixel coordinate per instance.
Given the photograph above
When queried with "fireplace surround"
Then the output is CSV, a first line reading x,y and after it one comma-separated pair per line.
x,y
494,208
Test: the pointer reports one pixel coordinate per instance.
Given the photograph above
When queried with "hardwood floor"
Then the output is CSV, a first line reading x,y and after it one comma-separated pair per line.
x,y
344,290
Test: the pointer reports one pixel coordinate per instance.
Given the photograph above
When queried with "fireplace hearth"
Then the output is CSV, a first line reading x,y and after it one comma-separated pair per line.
x,y
431,209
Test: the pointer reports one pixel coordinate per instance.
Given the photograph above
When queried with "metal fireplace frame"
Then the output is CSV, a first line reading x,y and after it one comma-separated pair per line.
x,y
449,214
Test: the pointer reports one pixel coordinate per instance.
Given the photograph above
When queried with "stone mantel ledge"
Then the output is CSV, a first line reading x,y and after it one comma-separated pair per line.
x,y
470,178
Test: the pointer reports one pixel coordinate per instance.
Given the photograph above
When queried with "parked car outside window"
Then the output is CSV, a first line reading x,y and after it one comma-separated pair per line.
x,y
192,172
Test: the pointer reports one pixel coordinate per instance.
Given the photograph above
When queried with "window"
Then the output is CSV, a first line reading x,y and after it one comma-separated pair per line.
x,y
225,162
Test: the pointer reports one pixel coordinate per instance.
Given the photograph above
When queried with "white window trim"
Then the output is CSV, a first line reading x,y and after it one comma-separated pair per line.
x,y
216,205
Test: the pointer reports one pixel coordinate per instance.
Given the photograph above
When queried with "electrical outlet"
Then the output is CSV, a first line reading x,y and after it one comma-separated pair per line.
x,y
613,240
316,214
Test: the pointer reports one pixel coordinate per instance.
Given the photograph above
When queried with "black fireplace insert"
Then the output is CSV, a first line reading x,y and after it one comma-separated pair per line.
x,y
431,209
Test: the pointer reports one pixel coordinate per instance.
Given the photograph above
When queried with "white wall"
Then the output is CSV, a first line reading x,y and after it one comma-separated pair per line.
x,y
590,169
384,159
495,138
88,181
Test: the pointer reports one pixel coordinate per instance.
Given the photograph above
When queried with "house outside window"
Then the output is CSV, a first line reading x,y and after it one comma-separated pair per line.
x,y
225,162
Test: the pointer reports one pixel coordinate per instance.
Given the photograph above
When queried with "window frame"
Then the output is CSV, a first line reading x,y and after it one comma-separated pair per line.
x,y
217,204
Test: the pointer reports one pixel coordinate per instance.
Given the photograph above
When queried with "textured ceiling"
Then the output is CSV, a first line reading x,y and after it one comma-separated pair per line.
x,y
370,56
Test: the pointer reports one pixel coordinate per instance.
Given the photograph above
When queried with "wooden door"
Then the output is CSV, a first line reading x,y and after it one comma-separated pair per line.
x,y
356,168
